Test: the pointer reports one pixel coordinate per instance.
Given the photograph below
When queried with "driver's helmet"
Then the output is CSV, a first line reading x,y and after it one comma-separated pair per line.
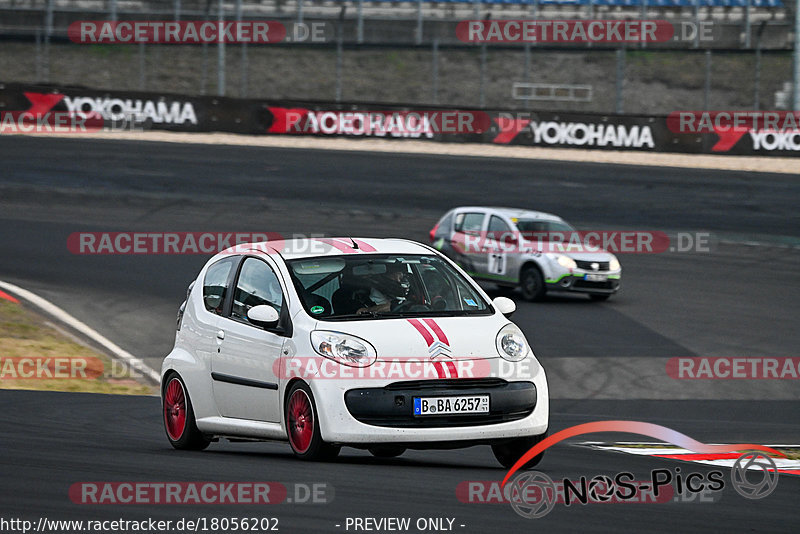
x,y
399,288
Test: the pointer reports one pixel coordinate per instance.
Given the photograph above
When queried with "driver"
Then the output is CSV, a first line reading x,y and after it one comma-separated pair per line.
x,y
394,288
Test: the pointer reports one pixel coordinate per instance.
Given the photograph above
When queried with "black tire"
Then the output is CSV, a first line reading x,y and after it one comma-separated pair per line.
x,y
599,298
531,284
508,452
302,426
178,416
386,451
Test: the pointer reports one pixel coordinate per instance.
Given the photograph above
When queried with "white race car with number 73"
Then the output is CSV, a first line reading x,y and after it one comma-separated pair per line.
x,y
378,344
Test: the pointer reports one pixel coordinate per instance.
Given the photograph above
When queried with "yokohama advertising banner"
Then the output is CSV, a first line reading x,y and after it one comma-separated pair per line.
x,y
45,108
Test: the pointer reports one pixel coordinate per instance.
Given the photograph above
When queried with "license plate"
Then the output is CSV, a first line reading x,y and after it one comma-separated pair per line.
x,y
596,277
463,404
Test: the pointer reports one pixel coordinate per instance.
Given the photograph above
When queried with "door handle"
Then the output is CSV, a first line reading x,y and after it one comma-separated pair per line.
x,y
221,334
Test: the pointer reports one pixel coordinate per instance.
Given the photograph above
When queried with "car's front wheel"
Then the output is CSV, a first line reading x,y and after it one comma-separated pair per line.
x,y
531,283
302,426
508,452
179,421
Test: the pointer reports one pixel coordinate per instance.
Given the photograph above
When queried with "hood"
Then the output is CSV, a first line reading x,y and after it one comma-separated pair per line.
x,y
440,338
590,256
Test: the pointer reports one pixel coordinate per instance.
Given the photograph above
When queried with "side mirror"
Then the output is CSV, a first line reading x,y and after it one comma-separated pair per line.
x,y
263,315
504,305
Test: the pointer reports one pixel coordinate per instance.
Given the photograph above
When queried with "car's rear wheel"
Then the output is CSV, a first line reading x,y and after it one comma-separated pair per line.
x,y
599,298
179,421
531,283
302,426
508,452
386,451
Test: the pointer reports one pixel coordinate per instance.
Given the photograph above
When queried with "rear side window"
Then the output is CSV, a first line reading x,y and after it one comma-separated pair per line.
x,y
215,285
469,222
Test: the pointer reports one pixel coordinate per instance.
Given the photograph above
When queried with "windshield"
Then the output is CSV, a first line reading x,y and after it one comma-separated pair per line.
x,y
383,286
540,230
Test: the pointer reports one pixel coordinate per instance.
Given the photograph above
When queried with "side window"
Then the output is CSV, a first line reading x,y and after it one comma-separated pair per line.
x,y
257,284
469,222
498,227
215,284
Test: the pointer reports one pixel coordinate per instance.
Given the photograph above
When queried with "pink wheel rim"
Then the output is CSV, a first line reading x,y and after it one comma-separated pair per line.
x,y
301,421
175,409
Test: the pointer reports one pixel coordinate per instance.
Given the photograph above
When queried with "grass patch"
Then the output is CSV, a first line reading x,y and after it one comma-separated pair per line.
x,y
26,336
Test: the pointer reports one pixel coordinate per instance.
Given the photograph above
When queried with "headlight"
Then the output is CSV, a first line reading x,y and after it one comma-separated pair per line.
x,y
614,265
566,261
343,348
511,343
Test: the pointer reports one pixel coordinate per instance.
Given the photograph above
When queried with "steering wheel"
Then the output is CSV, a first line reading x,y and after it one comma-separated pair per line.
x,y
438,303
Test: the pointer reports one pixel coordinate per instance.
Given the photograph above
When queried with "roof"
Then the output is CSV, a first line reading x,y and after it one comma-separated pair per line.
x,y
291,249
514,213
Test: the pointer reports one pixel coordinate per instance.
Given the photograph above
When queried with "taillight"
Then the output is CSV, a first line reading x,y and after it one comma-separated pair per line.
x,y
433,232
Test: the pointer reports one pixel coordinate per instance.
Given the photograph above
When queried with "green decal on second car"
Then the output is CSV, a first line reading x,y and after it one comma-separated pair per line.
x,y
317,309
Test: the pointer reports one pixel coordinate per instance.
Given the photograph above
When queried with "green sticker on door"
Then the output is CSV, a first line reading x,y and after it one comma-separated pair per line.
x,y
317,309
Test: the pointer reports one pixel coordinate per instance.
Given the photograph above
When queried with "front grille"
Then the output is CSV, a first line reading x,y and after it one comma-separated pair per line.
x,y
458,383
608,284
587,265
392,405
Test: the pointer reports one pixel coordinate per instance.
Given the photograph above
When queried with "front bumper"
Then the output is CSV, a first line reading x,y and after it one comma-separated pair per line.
x,y
364,412
577,282
392,405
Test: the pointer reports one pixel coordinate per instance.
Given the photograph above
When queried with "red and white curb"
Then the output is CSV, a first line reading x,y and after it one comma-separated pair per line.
x,y
60,315
670,452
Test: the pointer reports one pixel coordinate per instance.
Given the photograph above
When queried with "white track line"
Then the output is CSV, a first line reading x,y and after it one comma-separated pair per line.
x,y
59,314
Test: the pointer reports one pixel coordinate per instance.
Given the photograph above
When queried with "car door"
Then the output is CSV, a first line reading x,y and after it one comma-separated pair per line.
x,y
502,250
468,241
243,369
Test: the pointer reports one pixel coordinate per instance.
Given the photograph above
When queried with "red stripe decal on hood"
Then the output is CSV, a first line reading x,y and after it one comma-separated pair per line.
x,y
437,330
422,330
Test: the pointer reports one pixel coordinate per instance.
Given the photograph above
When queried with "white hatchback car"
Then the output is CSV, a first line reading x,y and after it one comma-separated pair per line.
x,y
380,344
526,249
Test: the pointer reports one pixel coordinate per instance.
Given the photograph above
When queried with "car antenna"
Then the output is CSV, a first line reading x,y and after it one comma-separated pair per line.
x,y
355,245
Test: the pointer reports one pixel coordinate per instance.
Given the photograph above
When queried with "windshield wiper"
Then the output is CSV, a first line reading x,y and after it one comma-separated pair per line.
x,y
440,313
363,315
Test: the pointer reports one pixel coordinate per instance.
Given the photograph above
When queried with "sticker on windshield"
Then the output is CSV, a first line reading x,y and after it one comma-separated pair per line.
x,y
317,309
470,302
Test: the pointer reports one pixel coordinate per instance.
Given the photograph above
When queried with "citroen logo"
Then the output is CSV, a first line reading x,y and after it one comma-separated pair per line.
x,y
437,349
